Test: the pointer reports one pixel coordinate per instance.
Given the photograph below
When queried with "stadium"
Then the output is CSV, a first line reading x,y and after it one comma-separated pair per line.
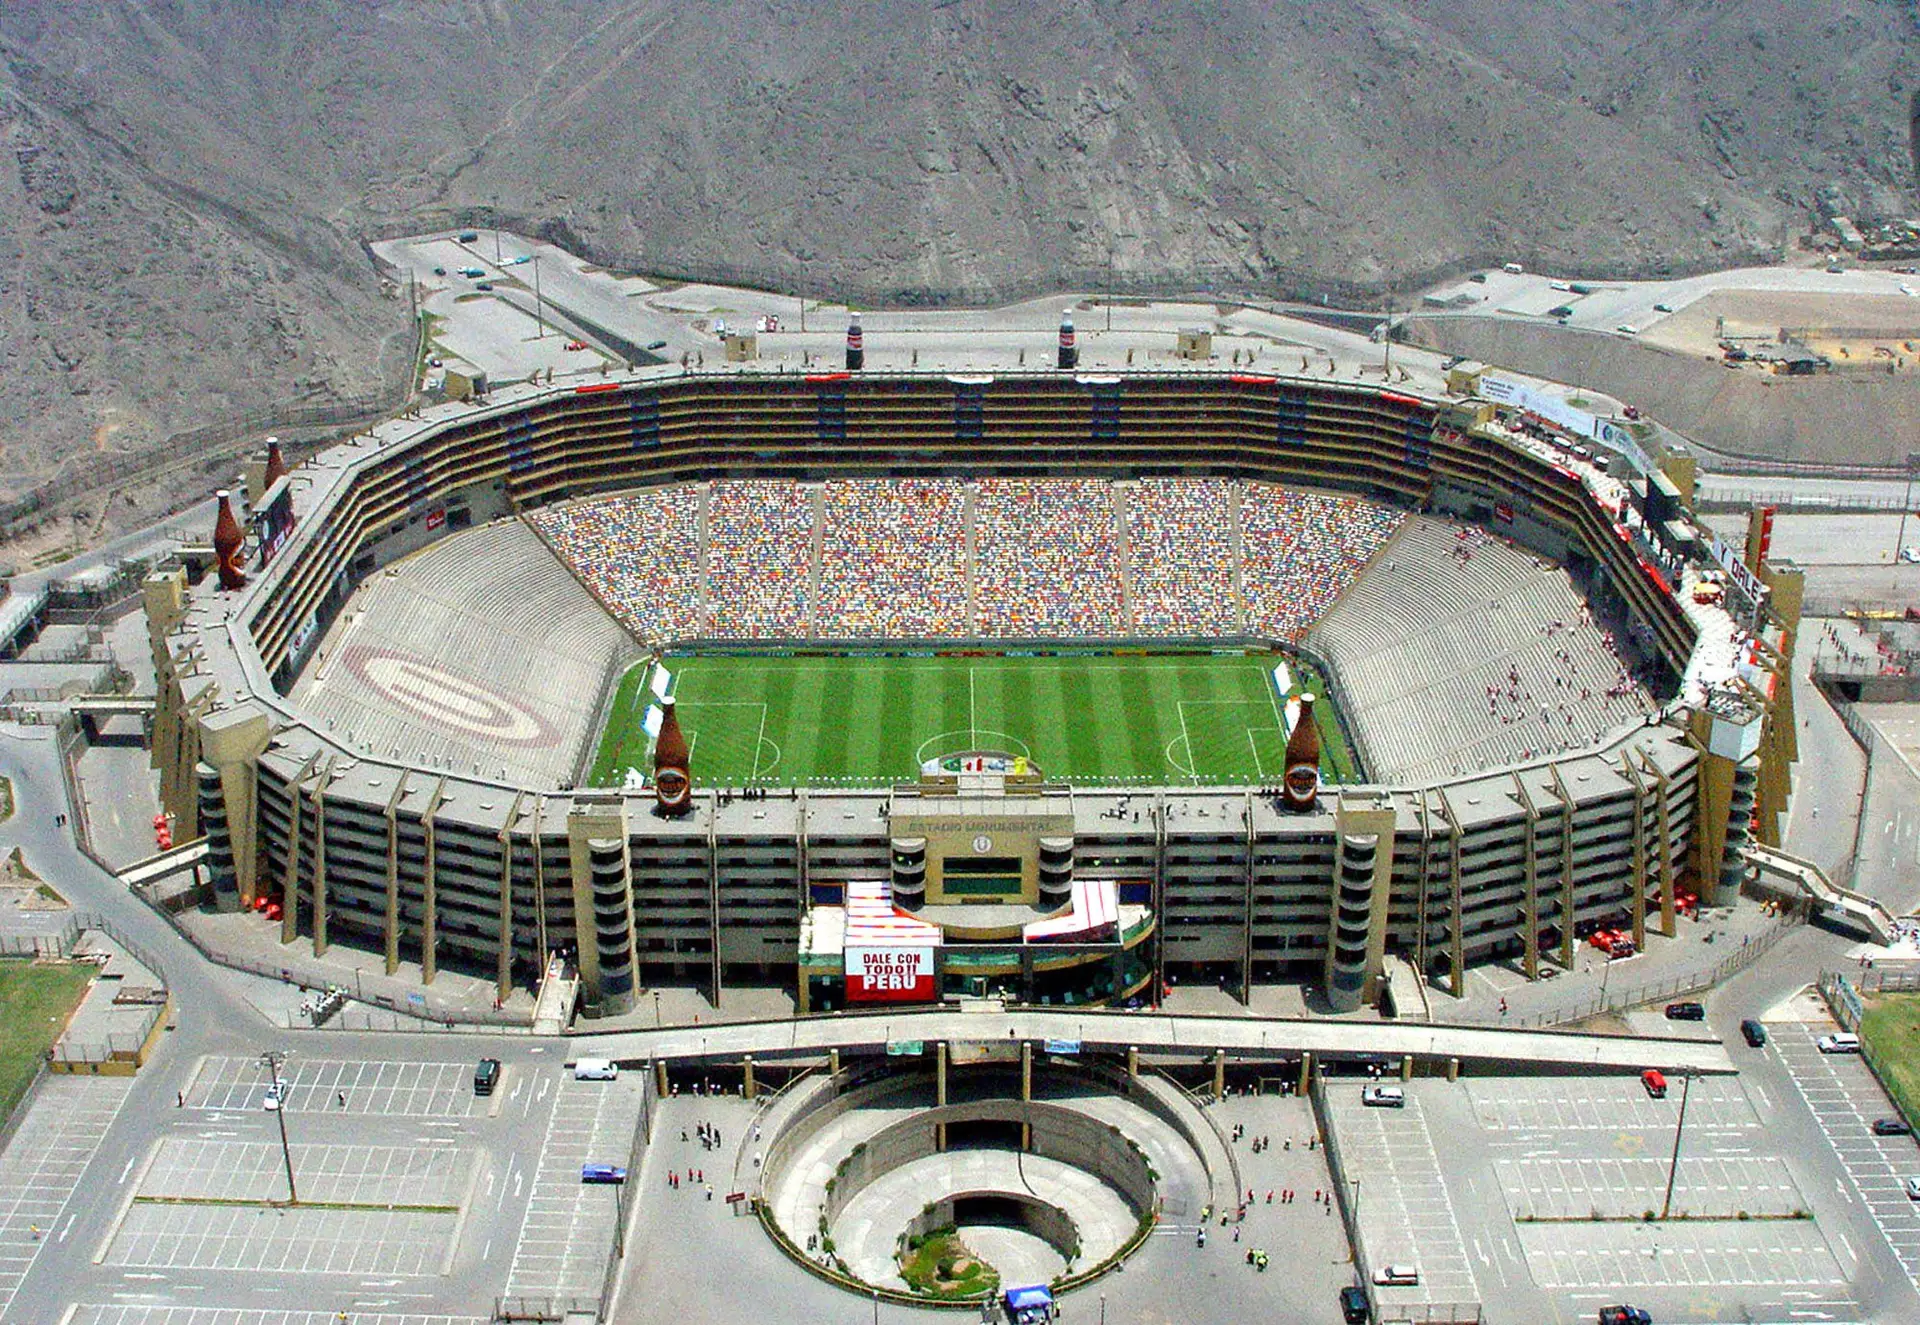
x,y
896,686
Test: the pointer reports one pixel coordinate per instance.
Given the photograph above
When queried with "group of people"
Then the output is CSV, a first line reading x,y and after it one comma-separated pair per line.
x,y
639,552
759,559
893,559
1180,557
1047,558
1302,551
945,558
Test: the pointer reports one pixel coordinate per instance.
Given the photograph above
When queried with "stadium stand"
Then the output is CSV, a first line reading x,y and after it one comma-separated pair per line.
x,y
1301,552
1046,558
1006,558
893,559
1180,557
479,652
760,560
639,553
1456,651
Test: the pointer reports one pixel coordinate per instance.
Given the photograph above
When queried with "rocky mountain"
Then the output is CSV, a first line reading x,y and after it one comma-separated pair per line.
x,y
185,183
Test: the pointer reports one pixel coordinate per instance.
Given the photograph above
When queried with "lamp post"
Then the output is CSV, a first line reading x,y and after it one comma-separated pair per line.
x,y
272,1059
1906,504
1673,1165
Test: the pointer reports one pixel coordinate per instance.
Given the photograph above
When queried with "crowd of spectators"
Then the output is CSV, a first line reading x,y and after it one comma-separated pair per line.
x,y
1180,557
639,553
759,559
893,559
1302,550
1046,558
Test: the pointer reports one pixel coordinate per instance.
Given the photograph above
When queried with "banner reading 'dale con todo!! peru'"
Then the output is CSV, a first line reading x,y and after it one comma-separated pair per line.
x,y
890,975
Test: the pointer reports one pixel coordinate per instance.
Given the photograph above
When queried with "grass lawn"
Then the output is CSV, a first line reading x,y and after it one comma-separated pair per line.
x,y
1891,1033
38,1000
1194,718
941,1266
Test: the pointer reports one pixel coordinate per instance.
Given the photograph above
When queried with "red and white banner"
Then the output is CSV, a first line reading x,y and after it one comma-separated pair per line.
x,y
890,975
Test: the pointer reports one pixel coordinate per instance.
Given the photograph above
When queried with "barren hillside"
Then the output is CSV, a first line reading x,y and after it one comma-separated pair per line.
x,y
186,181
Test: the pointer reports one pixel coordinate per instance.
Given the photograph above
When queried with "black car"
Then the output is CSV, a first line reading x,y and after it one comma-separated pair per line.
x,y
1892,1127
1753,1032
486,1076
1353,1305
1686,1012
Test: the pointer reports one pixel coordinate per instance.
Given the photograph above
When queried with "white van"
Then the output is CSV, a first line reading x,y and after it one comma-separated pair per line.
x,y
595,1069
1397,1274
1841,1043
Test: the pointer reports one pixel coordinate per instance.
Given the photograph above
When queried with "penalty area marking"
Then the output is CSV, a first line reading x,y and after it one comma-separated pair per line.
x,y
1187,768
1251,731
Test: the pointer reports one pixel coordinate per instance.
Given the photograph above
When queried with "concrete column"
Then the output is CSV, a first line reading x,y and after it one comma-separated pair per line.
x,y
660,1077
747,1088
1219,1074
1306,1072
1453,1069
320,866
429,909
940,1093
1133,1062
833,1062
1026,1090
1406,1067
390,932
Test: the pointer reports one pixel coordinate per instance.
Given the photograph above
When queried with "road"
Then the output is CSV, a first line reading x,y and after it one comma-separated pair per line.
x,y
217,1022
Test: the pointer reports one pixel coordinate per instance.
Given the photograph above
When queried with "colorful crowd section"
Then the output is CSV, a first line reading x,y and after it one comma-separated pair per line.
x,y
995,558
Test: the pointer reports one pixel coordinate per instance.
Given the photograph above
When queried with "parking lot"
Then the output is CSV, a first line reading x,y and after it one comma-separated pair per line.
x,y
190,1169
1709,1186
1780,1255
1534,1193
1844,1098
414,1090
280,1240
1546,1104
43,1162
568,1231
1405,1213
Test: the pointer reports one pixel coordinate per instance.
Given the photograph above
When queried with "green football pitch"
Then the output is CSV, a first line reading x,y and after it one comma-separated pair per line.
x,y
862,720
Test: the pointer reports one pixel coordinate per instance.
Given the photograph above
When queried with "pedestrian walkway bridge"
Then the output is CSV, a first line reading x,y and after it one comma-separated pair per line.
x,y
1829,899
1198,1037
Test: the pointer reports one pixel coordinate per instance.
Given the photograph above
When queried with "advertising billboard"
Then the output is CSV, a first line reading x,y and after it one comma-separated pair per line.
x,y
890,975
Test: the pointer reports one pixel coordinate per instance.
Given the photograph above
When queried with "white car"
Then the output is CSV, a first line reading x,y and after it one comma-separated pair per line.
x,y
275,1094
1838,1044
1913,1189
1384,1097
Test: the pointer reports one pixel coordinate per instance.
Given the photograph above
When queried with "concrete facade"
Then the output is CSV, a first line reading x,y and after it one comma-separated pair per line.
x,y
432,866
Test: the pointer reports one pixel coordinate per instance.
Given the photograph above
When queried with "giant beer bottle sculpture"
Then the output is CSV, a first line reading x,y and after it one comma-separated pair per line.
x,y
227,541
1301,788
672,785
